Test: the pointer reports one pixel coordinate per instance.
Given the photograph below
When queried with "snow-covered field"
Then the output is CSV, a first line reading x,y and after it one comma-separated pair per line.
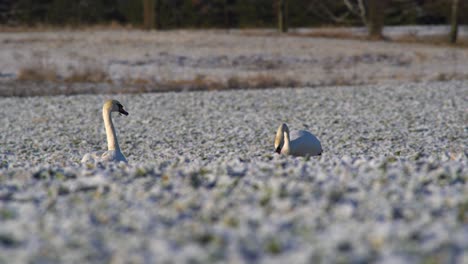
x,y
203,184
229,58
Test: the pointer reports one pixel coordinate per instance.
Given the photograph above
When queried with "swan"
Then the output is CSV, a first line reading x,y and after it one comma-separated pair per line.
x,y
296,143
113,153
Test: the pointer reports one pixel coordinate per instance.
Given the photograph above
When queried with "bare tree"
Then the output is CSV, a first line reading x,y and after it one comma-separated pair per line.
x,y
283,15
454,21
148,14
230,15
354,9
358,9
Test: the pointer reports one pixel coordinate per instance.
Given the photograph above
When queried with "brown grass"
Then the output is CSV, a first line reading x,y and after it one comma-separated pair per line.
x,y
48,74
91,72
330,34
200,83
88,74
261,81
38,72
39,68
442,77
203,83
36,85
35,74
195,84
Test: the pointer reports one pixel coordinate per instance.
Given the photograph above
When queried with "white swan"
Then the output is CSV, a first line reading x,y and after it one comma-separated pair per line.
x,y
296,143
113,153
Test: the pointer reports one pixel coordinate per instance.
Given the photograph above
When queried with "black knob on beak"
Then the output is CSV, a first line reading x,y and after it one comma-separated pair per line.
x,y
278,150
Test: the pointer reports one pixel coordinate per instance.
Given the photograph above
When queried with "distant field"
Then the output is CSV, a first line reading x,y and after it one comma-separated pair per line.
x,y
103,61
203,184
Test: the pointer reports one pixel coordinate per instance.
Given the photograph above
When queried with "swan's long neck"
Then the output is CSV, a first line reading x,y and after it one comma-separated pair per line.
x,y
286,142
112,143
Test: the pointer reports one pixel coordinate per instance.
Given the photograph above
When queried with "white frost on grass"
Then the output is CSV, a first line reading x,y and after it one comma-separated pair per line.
x,y
204,184
134,57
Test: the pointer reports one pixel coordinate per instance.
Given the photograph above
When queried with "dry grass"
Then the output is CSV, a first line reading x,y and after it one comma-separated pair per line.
x,y
257,81
77,84
88,74
89,71
197,83
91,77
442,77
260,81
75,70
204,83
336,34
39,69
29,87
36,74
49,73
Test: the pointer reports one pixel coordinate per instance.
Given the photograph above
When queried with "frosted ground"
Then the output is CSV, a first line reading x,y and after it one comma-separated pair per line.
x,y
131,60
203,184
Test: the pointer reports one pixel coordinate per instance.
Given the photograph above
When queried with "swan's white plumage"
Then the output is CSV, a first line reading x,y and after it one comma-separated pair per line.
x,y
113,154
296,142
106,156
303,143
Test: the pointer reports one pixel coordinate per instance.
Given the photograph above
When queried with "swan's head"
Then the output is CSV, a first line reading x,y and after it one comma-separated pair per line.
x,y
279,138
115,106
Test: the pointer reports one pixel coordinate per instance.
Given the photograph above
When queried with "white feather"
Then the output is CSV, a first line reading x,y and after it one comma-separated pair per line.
x,y
297,142
304,143
113,153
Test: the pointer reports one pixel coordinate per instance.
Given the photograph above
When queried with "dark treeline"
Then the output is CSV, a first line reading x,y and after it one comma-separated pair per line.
x,y
222,13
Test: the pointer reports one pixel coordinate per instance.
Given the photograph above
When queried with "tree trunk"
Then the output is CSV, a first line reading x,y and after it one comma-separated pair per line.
x,y
454,20
157,11
376,18
148,14
226,8
282,15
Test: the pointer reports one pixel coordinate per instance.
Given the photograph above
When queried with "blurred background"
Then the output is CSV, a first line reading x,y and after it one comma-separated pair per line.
x,y
202,14
154,45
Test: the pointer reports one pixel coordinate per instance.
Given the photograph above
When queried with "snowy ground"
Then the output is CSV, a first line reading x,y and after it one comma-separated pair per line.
x,y
203,184
176,58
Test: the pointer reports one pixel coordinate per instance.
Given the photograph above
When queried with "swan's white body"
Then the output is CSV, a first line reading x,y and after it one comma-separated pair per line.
x,y
106,156
113,153
296,143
